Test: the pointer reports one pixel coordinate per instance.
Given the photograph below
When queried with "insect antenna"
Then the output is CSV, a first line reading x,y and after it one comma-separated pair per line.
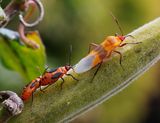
x,y
70,55
117,22
130,36
46,68
38,69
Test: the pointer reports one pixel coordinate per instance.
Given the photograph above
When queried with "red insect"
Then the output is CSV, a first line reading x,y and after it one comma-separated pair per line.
x,y
51,76
29,89
48,78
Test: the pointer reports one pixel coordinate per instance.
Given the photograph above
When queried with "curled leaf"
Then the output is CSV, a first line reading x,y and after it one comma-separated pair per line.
x,y
16,56
12,105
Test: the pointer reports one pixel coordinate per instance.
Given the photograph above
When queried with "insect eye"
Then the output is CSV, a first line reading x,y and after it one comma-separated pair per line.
x,y
67,67
121,37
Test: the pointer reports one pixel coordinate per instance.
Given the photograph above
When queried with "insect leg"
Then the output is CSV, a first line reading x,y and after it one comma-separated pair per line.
x,y
72,69
120,60
32,98
45,88
72,76
62,83
42,90
129,43
41,87
99,65
92,46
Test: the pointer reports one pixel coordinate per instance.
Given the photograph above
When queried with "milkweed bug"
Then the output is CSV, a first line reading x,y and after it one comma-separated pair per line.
x,y
99,52
51,76
48,78
30,88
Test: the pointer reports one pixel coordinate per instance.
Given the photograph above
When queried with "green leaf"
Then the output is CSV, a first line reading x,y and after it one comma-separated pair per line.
x,y
77,97
18,57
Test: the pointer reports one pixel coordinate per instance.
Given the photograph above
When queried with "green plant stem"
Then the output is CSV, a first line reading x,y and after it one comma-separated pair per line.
x,y
57,105
4,115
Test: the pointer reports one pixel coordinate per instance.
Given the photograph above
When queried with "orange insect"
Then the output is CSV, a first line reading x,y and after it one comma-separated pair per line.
x,y
100,52
47,78
30,88
51,76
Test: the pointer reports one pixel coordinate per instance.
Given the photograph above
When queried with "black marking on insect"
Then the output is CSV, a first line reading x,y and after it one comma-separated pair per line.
x,y
33,84
57,75
52,70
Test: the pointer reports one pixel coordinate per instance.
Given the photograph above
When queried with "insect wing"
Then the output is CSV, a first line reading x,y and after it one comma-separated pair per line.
x,y
84,64
32,85
53,70
57,75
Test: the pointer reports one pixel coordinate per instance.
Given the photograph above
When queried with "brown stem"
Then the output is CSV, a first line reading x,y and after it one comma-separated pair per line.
x,y
12,9
25,40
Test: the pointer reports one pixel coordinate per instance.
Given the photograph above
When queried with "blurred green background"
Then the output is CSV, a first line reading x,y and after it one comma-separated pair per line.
x,y
80,22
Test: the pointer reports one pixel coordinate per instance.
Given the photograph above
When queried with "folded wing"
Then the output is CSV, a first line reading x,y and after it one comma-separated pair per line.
x,y
84,64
